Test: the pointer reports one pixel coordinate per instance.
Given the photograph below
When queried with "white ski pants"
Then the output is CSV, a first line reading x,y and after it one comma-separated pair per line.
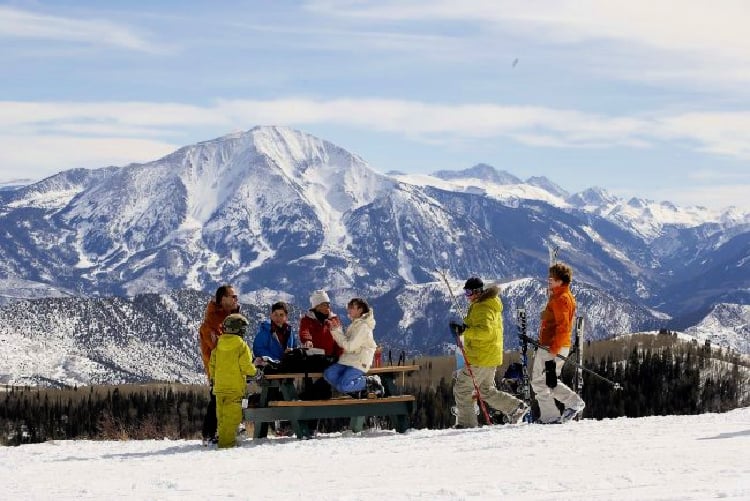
x,y
546,396
463,390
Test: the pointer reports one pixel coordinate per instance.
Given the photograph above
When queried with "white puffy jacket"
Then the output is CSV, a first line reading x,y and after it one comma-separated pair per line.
x,y
358,342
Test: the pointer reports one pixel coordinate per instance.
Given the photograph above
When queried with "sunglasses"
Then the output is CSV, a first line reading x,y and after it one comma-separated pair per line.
x,y
469,292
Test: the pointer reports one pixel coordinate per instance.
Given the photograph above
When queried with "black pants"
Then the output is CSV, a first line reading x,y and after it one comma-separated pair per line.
x,y
318,389
209,421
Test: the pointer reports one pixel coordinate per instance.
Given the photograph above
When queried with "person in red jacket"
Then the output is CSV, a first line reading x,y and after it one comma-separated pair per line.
x,y
556,326
314,327
224,303
315,332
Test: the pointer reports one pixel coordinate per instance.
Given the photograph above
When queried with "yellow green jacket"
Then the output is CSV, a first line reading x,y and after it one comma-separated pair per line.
x,y
231,361
483,337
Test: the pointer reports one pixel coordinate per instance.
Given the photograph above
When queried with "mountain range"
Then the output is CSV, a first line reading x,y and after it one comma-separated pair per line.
x,y
279,213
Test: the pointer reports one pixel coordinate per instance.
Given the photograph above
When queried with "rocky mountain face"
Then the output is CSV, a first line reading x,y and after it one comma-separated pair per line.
x,y
727,326
112,340
279,213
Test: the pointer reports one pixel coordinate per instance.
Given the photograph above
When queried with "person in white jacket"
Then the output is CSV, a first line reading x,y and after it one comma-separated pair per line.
x,y
358,343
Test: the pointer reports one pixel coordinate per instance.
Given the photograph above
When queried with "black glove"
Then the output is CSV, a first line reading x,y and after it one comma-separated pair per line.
x,y
457,329
550,370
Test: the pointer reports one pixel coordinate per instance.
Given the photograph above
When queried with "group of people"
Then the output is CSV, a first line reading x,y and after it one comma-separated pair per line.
x,y
482,344
228,359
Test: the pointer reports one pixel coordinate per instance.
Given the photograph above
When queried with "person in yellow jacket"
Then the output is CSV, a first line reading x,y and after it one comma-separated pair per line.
x,y
231,361
554,334
483,344
224,303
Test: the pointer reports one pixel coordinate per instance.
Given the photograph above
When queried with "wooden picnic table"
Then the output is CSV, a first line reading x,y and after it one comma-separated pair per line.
x,y
289,407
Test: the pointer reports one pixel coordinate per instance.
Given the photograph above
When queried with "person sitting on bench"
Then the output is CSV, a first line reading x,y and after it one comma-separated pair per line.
x,y
348,374
275,336
315,332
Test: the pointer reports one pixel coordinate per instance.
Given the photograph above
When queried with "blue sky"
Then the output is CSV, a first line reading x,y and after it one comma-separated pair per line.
x,y
642,98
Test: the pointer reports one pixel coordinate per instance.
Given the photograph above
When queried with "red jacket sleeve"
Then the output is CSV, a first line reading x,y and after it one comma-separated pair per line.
x,y
304,330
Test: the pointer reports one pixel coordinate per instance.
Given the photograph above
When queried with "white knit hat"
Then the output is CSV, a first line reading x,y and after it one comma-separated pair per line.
x,y
317,297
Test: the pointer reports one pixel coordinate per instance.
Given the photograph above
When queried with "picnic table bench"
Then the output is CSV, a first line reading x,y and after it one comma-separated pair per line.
x,y
290,408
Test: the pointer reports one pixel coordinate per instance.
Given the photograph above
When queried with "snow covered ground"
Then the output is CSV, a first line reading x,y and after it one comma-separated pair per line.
x,y
657,458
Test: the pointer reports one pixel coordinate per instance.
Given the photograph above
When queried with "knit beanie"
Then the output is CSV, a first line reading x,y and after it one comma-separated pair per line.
x,y
317,297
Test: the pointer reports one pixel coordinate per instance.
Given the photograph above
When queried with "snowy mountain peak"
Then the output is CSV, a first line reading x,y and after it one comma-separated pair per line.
x,y
638,203
592,197
546,184
482,172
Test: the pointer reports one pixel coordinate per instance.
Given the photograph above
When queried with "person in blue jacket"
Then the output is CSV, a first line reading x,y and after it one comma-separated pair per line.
x,y
275,336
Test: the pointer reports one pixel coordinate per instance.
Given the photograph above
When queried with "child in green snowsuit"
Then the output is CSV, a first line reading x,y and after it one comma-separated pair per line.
x,y
231,361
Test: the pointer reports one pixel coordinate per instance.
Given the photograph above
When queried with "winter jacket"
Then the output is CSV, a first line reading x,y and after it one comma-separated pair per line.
x,y
210,329
557,319
311,329
230,362
483,337
358,342
272,341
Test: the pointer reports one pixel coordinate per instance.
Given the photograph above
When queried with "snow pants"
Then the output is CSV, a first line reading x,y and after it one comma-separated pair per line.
x,y
546,396
463,391
345,378
229,417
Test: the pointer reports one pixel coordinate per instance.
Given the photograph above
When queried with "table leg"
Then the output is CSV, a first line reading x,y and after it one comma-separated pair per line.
x,y
357,423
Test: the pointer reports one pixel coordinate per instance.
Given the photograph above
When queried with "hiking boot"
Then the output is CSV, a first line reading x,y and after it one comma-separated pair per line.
x,y
461,427
570,413
241,433
375,387
206,442
518,415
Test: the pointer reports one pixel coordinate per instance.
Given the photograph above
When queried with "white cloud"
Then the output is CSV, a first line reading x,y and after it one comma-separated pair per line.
x,y
723,133
41,138
712,196
40,156
686,43
22,24
664,24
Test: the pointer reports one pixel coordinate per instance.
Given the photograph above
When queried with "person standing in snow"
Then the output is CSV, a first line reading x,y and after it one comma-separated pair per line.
x,y
274,337
348,374
482,330
554,335
224,303
230,363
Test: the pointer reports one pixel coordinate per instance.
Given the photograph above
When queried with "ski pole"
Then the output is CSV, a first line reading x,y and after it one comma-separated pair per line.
x,y
578,380
453,297
460,345
616,386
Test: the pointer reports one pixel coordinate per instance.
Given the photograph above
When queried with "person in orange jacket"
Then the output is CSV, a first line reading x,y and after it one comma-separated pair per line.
x,y
555,330
224,303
